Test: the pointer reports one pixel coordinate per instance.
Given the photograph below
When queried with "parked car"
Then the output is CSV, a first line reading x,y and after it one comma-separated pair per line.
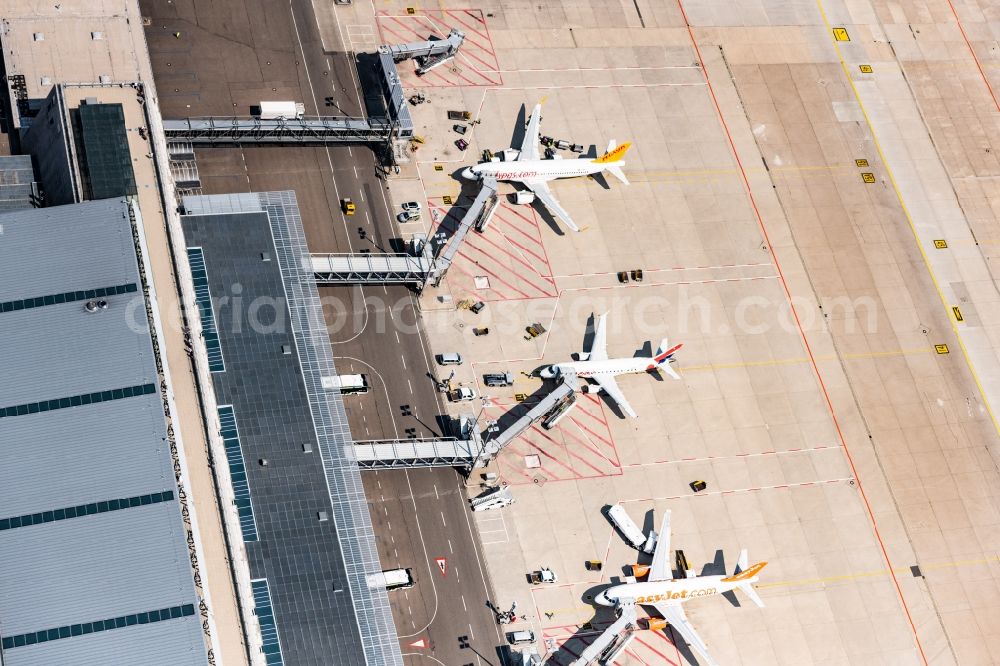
x,y
408,216
411,206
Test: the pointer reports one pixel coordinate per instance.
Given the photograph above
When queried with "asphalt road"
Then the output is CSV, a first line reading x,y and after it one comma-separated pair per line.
x,y
222,62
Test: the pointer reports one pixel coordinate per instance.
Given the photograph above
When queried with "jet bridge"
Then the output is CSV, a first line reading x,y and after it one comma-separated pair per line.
x,y
368,268
612,643
471,451
428,54
420,266
477,216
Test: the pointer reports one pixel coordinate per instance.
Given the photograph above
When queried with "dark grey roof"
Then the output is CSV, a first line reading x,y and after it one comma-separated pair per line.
x,y
316,570
94,551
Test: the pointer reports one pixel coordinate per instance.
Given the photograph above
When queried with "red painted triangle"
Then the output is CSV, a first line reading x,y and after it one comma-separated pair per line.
x,y
422,643
442,563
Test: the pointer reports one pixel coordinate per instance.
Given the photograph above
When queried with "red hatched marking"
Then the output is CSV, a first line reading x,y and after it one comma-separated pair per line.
x,y
476,63
565,452
516,269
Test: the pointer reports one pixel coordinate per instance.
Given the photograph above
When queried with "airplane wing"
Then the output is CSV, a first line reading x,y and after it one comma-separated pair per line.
x,y
544,194
678,620
599,347
660,569
529,147
610,386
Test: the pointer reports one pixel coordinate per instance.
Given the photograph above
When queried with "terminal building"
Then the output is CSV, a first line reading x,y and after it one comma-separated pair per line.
x,y
93,534
304,518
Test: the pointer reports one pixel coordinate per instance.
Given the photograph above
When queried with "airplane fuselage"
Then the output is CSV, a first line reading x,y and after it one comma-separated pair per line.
x,y
522,170
668,591
612,366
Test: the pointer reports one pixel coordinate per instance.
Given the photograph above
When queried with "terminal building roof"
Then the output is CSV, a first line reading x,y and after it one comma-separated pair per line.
x,y
92,540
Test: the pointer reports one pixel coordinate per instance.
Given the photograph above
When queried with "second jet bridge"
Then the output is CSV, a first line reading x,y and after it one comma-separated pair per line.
x,y
473,450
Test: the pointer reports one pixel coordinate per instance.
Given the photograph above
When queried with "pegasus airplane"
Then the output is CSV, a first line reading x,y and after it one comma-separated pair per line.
x,y
534,173
595,365
667,595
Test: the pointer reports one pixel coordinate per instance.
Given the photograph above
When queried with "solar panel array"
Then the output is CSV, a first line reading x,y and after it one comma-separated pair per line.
x,y
270,645
199,275
238,472
316,543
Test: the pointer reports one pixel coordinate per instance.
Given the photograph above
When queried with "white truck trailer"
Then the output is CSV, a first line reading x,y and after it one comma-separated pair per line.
x,y
347,383
287,110
392,579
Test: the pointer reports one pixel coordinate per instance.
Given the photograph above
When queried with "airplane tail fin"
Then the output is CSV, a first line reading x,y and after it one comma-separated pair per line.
x,y
744,575
615,153
664,354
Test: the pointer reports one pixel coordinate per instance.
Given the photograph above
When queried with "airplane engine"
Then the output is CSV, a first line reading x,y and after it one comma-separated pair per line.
x,y
592,388
654,623
639,570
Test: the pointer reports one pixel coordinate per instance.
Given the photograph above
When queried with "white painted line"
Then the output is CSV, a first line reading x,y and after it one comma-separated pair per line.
x,y
436,496
404,361
450,549
442,519
464,607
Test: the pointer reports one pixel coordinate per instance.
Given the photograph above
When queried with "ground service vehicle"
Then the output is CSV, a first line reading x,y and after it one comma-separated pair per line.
x,y
498,379
459,115
461,395
620,519
519,637
543,575
348,383
392,579
275,110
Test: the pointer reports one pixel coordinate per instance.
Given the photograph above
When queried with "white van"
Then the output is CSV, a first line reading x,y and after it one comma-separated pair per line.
x,y
520,637
451,358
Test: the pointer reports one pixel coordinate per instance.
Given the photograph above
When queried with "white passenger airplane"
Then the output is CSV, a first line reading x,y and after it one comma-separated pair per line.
x,y
596,365
534,173
666,595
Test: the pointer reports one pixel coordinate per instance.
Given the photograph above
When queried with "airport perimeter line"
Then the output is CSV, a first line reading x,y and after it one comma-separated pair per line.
x,y
795,314
972,52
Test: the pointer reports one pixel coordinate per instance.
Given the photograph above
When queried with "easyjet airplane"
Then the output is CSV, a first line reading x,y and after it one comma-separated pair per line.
x,y
596,365
666,595
534,173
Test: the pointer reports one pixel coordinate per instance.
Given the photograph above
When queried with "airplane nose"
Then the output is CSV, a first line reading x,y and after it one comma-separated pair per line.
x,y
602,599
469,174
